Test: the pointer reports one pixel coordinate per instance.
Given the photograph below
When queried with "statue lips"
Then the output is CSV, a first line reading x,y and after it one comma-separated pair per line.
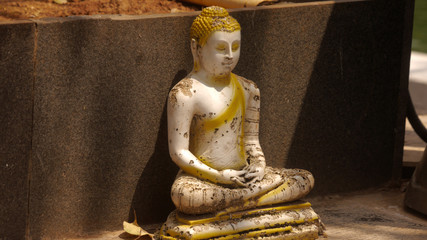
x,y
227,64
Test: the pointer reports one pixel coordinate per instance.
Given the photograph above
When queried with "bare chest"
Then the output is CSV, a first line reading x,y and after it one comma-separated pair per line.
x,y
212,103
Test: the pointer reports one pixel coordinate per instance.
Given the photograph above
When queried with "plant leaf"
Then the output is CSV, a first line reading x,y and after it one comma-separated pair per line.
x,y
134,229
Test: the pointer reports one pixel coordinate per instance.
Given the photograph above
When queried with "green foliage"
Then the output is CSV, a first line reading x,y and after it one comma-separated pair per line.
x,y
419,35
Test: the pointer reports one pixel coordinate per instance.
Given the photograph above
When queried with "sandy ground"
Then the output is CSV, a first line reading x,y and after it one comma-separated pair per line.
x,y
36,9
374,214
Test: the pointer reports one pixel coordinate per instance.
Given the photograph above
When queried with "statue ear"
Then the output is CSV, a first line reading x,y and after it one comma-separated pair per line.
x,y
195,51
194,46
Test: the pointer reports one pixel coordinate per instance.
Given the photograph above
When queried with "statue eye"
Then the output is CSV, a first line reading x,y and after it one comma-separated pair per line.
x,y
220,47
235,47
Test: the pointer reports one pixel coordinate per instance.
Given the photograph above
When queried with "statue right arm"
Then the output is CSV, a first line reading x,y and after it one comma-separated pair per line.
x,y
180,111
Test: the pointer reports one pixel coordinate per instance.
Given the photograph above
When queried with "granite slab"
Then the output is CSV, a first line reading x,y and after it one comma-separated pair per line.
x,y
16,107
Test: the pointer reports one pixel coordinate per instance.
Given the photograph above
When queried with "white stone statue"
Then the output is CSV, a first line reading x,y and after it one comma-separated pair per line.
x,y
213,125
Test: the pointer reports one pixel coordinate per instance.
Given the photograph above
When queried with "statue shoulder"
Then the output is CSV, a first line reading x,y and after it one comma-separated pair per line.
x,y
247,84
183,89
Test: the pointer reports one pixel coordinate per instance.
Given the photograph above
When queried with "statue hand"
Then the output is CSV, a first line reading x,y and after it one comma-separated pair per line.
x,y
254,172
230,176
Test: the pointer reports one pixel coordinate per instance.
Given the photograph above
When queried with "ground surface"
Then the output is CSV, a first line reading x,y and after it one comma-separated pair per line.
x,y
36,9
376,214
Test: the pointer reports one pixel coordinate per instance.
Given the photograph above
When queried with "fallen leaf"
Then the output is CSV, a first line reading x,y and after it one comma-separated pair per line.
x,y
134,229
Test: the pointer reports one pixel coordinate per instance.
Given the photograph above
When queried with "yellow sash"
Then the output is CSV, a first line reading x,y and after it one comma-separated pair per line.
x,y
237,102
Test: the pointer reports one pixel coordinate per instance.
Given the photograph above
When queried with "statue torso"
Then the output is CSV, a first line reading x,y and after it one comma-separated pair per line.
x,y
216,134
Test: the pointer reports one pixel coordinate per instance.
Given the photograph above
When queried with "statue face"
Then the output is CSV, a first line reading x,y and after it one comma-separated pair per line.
x,y
221,53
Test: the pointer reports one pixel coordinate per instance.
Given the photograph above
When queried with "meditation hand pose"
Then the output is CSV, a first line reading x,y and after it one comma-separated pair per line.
x,y
213,119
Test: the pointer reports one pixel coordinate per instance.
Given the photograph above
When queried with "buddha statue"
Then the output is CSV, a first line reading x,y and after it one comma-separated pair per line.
x,y
213,126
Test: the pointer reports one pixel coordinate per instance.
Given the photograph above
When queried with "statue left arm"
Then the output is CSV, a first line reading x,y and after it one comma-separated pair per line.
x,y
253,151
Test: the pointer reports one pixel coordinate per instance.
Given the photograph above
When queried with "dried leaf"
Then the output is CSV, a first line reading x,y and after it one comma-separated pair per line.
x,y
134,229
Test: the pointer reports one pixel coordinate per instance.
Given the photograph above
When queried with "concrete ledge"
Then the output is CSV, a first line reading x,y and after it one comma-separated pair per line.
x,y
331,76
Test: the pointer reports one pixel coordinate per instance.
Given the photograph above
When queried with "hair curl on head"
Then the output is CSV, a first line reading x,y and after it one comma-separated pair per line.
x,y
212,19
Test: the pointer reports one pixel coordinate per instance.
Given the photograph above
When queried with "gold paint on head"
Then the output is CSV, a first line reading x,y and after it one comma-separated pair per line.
x,y
212,19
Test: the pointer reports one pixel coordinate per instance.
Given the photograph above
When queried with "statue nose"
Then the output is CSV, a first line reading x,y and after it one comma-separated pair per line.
x,y
229,54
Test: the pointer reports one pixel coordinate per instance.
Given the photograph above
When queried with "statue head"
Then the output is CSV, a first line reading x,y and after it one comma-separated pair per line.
x,y
215,41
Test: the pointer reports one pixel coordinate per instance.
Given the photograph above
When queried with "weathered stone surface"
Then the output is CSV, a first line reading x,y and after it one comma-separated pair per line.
x,y
16,84
100,138
332,80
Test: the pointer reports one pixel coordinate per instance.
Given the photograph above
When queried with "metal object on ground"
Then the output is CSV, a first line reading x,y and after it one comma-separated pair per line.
x,y
416,194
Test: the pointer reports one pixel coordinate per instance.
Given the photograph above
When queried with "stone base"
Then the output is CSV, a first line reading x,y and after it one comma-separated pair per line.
x,y
296,220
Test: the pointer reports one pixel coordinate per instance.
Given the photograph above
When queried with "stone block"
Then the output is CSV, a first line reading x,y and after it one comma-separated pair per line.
x,y
16,86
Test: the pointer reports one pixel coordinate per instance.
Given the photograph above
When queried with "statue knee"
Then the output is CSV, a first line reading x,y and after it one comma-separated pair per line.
x,y
311,179
307,177
193,198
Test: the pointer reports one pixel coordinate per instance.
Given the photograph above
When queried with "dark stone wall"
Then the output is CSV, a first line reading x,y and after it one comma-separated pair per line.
x,y
332,77
333,80
16,94
100,123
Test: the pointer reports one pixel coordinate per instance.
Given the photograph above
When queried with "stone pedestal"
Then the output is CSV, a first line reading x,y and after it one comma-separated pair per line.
x,y
296,220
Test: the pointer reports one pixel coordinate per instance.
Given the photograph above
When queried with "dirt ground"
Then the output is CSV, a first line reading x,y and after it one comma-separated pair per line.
x,y
36,9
